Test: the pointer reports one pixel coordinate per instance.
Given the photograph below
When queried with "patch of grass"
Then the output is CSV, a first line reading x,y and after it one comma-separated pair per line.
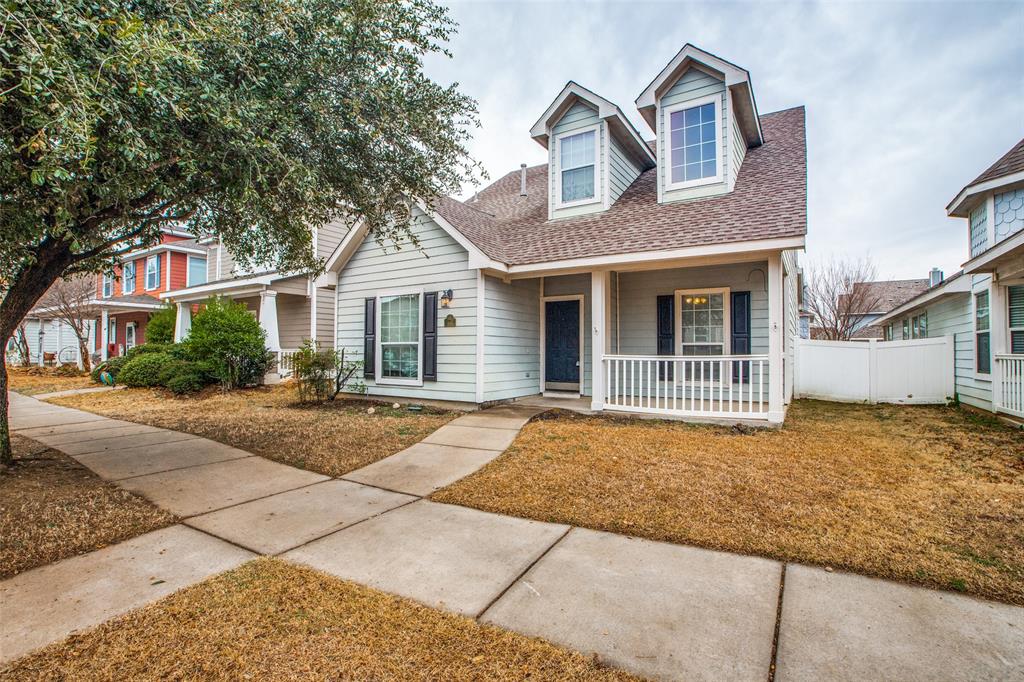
x,y
272,620
331,439
37,380
927,495
51,508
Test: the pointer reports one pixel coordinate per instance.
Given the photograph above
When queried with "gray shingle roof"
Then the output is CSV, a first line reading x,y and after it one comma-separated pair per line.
x,y
769,201
1011,162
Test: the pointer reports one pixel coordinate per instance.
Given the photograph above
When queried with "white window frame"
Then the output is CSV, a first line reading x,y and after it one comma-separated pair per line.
x,y
379,378
132,327
152,259
124,277
978,374
598,185
726,326
667,141
188,269
108,285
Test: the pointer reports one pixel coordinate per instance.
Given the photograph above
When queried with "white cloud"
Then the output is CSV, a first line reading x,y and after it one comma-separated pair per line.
x,y
906,102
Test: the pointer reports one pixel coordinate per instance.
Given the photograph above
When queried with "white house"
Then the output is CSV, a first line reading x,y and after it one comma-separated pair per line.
x,y
655,276
982,306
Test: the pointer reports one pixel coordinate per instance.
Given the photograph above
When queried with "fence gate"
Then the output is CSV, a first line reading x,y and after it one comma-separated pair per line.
x,y
920,371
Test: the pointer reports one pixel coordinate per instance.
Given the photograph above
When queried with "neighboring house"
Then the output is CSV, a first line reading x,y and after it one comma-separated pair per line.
x,y
882,296
50,341
127,297
290,307
982,306
650,276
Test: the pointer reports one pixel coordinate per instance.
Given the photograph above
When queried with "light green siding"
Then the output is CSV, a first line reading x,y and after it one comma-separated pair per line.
x,y
622,170
739,148
694,84
578,116
512,338
440,264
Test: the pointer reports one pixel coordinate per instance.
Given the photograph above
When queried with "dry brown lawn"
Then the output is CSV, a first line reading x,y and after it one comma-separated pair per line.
x,y
36,380
333,439
52,508
927,495
272,620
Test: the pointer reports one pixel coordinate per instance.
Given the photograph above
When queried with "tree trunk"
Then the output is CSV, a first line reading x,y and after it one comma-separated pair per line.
x,y
83,352
26,288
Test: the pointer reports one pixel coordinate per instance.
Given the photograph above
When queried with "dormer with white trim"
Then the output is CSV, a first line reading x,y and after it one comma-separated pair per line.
x,y
594,152
704,115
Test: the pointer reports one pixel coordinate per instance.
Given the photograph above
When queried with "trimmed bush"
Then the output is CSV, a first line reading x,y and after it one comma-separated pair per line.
x,y
113,366
160,327
189,381
175,350
227,337
146,370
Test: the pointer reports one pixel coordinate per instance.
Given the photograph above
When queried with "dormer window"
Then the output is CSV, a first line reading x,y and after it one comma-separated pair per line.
x,y
694,143
577,156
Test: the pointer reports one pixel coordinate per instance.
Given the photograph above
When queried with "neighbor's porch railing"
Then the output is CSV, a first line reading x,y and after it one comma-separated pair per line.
x,y
1009,373
286,361
705,386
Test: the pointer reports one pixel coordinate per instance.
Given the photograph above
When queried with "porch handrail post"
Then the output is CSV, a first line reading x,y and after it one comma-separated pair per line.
x,y
600,303
268,319
776,328
104,333
998,311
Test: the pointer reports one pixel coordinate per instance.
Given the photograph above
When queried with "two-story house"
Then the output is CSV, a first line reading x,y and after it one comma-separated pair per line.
x,y
127,296
625,273
982,306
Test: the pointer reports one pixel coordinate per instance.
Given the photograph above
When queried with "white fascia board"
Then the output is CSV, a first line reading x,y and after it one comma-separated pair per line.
x,y
1007,247
638,259
958,284
339,258
223,286
954,209
107,303
132,255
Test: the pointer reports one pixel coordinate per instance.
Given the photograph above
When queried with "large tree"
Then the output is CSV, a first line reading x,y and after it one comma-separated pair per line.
x,y
251,120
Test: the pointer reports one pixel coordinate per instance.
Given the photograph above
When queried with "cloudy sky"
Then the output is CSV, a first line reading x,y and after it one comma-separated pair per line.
x,y
906,102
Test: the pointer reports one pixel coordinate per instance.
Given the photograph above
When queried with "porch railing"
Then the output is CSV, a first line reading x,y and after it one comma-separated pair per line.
x,y
286,361
706,386
1009,373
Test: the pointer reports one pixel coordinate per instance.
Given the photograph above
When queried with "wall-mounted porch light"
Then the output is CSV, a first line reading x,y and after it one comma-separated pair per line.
x,y
446,298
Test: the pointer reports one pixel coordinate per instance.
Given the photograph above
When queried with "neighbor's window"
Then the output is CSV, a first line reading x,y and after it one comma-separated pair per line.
x,y
693,142
1016,315
128,277
702,317
576,161
981,333
888,332
920,326
153,272
196,271
108,286
906,328
400,337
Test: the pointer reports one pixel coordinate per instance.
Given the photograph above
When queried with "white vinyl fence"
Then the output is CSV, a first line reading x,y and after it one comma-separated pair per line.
x,y
912,372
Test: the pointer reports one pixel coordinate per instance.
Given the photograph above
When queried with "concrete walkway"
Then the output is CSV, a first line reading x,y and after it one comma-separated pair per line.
x,y
661,610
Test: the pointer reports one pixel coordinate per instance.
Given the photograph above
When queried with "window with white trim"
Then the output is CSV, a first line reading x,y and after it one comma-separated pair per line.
x,y
128,277
398,340
693,142
703,322
152,272
919,326
108,286
982,345
196,271
1015,297
577,167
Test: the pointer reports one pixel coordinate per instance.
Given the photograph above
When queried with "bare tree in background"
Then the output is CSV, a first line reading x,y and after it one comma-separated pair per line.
x,y
20,338
72,301
837,299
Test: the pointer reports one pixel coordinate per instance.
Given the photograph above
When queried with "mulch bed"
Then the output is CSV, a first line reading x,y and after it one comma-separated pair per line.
x,y
271,620
52,508
926,495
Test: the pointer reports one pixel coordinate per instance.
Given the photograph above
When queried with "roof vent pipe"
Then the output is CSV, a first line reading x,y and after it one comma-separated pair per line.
x,y
935,277
522,179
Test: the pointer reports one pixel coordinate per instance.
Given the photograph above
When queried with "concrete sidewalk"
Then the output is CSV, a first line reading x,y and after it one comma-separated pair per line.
x,y
656,609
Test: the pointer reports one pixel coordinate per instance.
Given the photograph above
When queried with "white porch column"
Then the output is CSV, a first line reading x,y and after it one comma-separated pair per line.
x,y
268,319
776,328
59,324
999,323
42,342
104,329
182,321
600,303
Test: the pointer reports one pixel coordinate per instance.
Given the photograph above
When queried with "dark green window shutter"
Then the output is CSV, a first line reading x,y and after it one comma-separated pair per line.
x,y
370,339
430,336
666,333
740,332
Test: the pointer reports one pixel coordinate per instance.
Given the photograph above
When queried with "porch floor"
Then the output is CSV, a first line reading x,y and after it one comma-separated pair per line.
x,y
581,405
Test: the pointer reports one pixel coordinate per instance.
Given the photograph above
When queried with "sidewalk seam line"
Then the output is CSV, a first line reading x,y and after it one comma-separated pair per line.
x,y
261,497
773,661
165,471
522,574
351,525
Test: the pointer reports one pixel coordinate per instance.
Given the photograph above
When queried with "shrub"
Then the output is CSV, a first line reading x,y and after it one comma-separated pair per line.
x,y
323,374
160,327
227,337
175,350
146,370
112,366
188,380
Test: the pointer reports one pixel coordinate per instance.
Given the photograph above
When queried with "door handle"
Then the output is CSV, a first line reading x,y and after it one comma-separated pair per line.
x,y
577,363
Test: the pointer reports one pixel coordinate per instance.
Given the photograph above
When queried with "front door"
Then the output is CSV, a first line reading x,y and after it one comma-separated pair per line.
x,y
562,345
129,335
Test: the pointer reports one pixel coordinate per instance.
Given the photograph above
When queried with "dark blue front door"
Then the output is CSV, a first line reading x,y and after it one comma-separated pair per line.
x,y
562,345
